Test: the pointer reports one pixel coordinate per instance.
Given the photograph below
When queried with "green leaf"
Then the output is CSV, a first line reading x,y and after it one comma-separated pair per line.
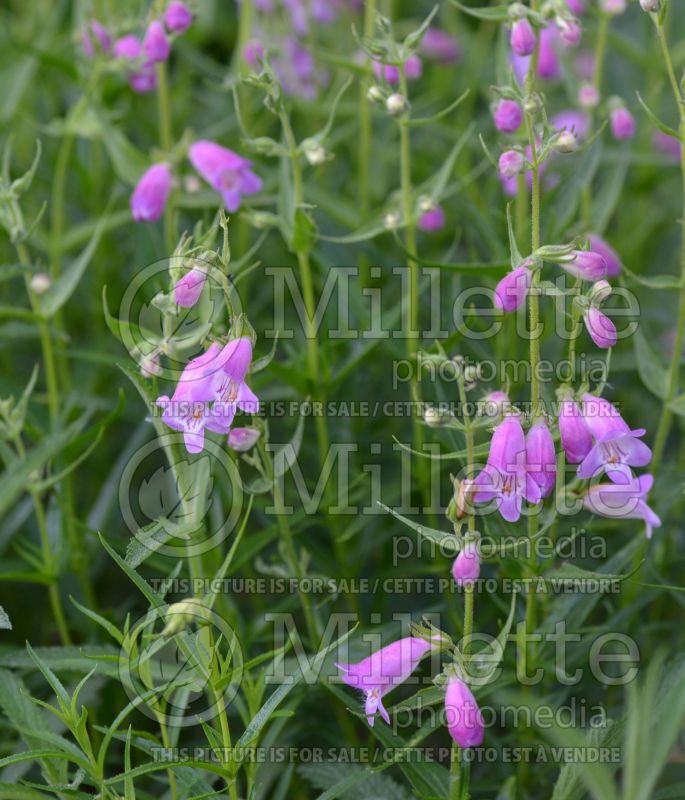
x,y
150,594
448,541
484,663
5,623
649,367
659,124
304,232
492,14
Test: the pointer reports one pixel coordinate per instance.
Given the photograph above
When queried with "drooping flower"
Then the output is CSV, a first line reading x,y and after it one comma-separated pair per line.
x,y
510,163
229,387
616,448
623,125
433,219
625,500
601,329
464,719
156,45
494,403
576,438
440,46
508,116
512,290
188,289
466,567
587,265
225,171
177,17
243,439
505,478
382,671
610,256
541,462
94,30
151,193
522,38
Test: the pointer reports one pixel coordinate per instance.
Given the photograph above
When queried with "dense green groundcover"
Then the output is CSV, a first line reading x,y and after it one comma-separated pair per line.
x,y
172,621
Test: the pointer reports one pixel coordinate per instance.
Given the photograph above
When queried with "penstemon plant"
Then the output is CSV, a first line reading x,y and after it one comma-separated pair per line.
x,y
341,421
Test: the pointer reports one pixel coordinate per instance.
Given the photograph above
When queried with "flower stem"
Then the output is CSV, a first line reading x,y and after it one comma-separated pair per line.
x,y
166,140
365,138
673,379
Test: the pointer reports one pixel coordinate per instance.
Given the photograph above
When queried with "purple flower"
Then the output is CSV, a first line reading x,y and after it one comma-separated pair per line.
x,y
610,256
380,672
541,461
225,171
466,567
143,81
229,387
188,289
508,116
242,439
512,290
177,17
296,70
577,122
623,123
616,448
570,31
505,477
586,265
253,53
549,67
667,145
464,719
101,35
588,96
151,193
299,18
626,500
440,46
601,329
510,163
494,403
432,220
155,44
576,438
128,47
413,68
576,7
387,72
613,6
522,39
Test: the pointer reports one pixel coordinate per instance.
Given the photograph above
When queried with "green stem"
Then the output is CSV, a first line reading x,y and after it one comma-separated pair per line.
x,y
167,744
365,131
166,140
666,418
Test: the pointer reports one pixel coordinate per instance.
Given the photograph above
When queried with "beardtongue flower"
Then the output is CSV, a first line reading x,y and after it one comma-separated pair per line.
x,y
144,80
151,193
225,171
508,116
128,47
576,438
440,46
494,403
464,719
155,44
624,501
616,448
510,163
623,123
541,462
466,567
433,219
229,387
570,31
94,30
512,290
577,122
549,67
610,256
601,329
188,289
586,265
522,39
382,671
177,17
576,7
667,145
505,478
243,439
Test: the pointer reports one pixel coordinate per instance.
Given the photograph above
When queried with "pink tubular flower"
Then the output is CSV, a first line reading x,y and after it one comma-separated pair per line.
x,y
466,567
440,46
464,719
382,671
522,39
177,17
549,67
505,477
601,329
572,120
510,163
155,44
667,145
494,403
508,116
625,500
243,439
151,193
616,448
143,81
229,387
413,68
541,460
97,31
623,123
225,171
610,256
512,290
188,289
432,220
586,265
576,438
570,31
576,7
128,47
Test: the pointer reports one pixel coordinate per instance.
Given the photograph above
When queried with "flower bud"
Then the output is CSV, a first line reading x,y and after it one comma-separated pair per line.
x,y
464,720
566,142
508,116
623,123
570,31
588,96
436,417
585,264
522,38
532,104
510,163
512,290
396,104
188,289
177,17
599,292
466,567
612,7
391,220
375,94
243,439
156,44
178,615
601,329
433,219
150,366
40,283
650,5
314,152
463,491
